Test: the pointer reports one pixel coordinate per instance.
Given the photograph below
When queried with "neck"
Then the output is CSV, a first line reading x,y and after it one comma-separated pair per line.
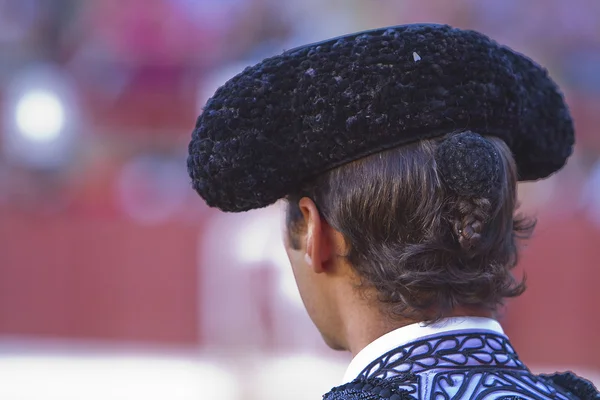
x,y
364,325
364,329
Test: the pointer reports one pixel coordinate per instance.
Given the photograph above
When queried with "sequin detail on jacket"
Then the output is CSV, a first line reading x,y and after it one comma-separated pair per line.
x,y
459,366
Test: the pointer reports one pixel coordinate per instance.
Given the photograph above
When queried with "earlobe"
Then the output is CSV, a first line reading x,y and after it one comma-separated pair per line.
x,y
314,234
308,259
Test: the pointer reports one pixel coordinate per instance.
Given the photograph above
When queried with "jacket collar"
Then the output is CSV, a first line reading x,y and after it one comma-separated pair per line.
x,y
401,339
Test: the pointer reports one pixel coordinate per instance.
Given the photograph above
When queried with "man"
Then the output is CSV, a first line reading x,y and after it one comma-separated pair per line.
x,y
397,152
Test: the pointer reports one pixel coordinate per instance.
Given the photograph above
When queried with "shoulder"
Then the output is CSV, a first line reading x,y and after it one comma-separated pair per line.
x,y
571,383
368,389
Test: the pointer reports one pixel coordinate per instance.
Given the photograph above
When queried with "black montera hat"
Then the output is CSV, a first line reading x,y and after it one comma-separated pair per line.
x,y
310,109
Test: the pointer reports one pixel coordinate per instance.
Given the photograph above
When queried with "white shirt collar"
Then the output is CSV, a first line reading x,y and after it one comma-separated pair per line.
x,y
410,333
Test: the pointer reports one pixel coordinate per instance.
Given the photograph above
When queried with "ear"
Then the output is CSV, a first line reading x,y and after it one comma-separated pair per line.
x,y
318,244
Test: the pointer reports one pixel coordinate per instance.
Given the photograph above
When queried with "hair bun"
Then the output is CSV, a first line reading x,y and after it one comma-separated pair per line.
x,y
469,164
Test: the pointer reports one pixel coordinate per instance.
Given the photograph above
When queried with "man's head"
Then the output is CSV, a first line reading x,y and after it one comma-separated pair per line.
x,y
376,139
390,227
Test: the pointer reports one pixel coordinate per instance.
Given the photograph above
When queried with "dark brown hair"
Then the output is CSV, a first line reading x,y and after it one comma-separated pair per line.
x,y
423,248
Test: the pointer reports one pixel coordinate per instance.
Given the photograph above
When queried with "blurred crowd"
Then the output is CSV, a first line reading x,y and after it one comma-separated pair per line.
x,y
138,72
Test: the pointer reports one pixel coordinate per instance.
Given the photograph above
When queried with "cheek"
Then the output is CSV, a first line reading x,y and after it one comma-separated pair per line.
x,y
310,293
298,265
295,256
301,275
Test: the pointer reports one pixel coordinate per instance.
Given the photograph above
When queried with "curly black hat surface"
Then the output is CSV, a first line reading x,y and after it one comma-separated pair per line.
x,y
310,109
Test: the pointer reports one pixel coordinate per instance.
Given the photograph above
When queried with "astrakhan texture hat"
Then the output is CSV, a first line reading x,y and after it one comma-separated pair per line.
x,y
296,115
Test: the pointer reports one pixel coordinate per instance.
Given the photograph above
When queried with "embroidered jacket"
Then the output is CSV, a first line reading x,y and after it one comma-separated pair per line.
x,y
459,366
